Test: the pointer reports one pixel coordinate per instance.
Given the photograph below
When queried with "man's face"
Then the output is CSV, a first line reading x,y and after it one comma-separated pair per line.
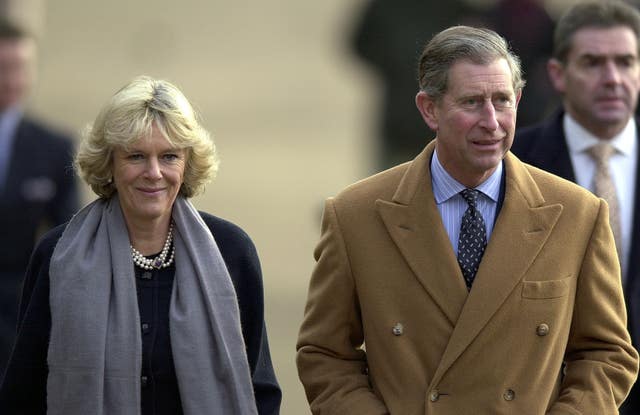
x,y
474,120
600,79
16,70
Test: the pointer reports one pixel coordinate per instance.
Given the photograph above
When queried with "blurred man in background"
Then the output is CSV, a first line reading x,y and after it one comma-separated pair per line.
x,y
37,188
388,37
593,139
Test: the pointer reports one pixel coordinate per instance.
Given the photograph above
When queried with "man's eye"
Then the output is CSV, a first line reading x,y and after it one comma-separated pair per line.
x,y
503,102
591,62
626,62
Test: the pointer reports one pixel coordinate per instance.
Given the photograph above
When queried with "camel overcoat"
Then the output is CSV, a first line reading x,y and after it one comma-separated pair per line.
x,y
390,328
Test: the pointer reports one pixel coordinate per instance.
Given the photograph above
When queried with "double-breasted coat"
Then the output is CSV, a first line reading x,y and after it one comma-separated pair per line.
x,y
390,327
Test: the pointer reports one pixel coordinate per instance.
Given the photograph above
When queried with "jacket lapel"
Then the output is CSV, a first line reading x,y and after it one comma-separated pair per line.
x,y
522,228
551,152
414,224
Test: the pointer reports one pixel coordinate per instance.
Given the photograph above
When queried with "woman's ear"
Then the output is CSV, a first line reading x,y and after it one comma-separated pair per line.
x,y
428,109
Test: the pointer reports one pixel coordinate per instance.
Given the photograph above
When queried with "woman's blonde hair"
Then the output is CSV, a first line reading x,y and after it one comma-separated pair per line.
x,y
129,116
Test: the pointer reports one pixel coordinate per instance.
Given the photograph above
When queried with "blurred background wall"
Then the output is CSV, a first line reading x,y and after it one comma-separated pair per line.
x,y
276,83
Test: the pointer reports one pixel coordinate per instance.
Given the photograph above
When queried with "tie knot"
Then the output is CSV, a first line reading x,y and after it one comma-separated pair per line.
x,y
601,152
471,196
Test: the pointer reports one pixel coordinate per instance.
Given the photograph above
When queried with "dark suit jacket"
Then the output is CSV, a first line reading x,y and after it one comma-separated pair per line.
x,y
24,388
544,145
39,187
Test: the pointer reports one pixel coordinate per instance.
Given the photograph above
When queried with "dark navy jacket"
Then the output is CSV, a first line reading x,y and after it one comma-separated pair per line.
x,y
24,387
39,192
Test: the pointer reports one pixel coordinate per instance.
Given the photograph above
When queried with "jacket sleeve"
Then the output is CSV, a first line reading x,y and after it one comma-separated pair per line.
x,y
265,386
242,261
600,363
330,352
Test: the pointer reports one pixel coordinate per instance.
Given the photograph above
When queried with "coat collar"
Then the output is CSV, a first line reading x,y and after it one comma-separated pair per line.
x,y
413,221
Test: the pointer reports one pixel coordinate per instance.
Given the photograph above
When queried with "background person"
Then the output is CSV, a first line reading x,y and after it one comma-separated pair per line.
x,y
141,304
37,187
387,37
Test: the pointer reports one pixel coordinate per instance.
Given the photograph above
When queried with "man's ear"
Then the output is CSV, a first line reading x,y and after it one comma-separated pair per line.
x,y
555,69
428,109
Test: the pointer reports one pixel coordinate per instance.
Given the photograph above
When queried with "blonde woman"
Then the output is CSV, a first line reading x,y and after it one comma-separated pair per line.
x,y
141,304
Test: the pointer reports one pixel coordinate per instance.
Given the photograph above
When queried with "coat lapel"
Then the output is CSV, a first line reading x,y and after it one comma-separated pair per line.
x,y
414,224
550,151
522,228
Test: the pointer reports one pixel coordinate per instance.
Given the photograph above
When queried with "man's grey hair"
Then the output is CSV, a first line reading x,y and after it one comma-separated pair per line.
x,y
476,45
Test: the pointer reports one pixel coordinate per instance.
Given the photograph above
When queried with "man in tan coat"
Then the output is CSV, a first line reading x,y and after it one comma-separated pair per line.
x,y
465,282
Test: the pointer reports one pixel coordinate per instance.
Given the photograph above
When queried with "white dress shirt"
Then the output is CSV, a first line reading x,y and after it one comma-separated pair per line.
x,y
622,165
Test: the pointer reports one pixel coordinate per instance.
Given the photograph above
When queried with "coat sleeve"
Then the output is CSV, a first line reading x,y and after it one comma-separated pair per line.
x,y
243,263
600,363
251,299
330,351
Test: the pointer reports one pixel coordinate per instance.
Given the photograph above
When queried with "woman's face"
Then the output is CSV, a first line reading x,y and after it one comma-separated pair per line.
x,y
148,176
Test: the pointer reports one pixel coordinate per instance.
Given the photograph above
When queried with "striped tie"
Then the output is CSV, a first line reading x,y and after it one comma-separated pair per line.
x,y
605,187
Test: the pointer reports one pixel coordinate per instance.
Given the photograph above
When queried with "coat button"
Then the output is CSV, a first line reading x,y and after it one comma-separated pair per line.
x,y
144,381
434,396
509,395
397,330
145,328
542,330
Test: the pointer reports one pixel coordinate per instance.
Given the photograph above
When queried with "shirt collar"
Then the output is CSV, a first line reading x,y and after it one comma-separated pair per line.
x,y
580,140
445,186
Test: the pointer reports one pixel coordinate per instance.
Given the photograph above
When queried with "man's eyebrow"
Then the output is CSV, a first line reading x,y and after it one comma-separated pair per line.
x,y
604,55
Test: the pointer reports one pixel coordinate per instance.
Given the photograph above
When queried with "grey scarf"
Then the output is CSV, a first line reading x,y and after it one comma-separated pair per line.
x,y
95,350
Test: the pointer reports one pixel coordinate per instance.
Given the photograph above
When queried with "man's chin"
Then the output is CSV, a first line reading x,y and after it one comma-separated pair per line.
x,y
613,118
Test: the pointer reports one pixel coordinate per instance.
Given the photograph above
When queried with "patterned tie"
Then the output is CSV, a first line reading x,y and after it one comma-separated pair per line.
x,y
473,237
605,187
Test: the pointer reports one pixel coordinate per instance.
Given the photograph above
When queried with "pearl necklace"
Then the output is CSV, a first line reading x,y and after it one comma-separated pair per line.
x,y
161,260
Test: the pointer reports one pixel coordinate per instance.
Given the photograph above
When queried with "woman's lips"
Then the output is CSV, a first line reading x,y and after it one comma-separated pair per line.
x,y
151,192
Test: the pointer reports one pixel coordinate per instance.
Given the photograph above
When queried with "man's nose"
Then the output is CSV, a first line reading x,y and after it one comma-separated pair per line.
x,y
488,118
611,72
